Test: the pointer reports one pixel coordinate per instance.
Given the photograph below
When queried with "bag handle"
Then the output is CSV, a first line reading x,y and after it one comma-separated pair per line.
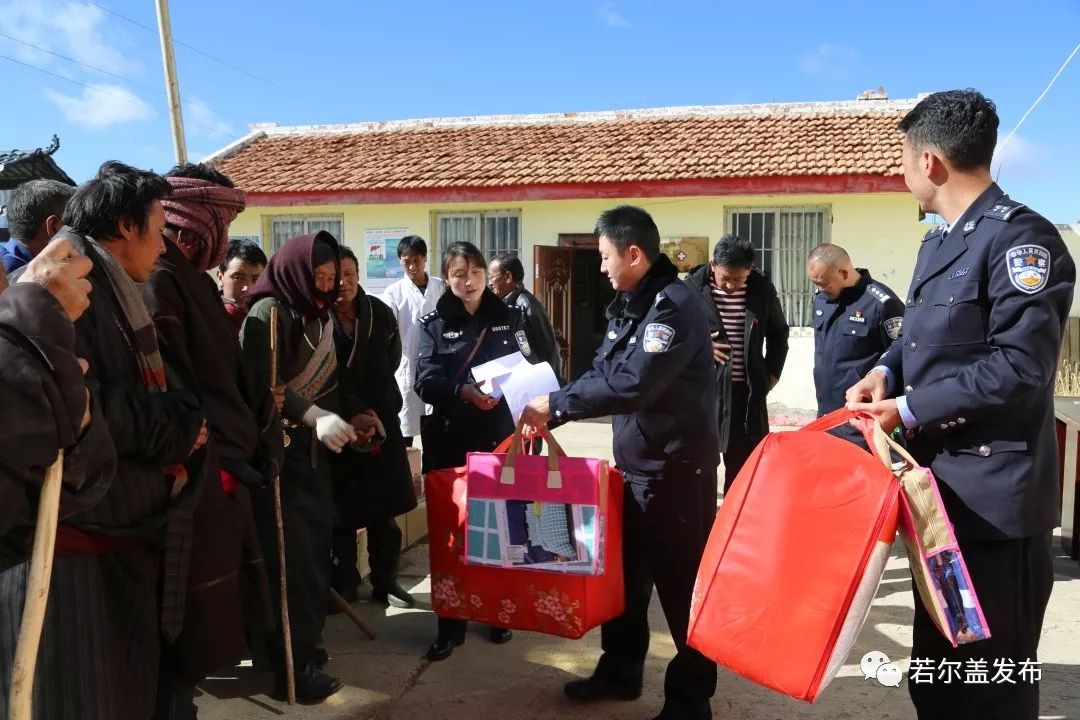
x,y
830,420
555,451
882,443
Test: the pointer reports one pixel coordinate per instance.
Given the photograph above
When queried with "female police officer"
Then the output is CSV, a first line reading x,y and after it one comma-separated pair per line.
x,y
470,326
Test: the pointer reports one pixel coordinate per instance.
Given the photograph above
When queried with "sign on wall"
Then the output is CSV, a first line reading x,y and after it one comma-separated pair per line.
x,y
381,265
686,252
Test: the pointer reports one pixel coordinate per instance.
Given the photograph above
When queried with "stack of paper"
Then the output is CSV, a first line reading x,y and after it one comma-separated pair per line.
x,y
516,379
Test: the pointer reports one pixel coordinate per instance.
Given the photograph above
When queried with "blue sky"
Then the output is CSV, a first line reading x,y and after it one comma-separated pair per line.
x,y
328,61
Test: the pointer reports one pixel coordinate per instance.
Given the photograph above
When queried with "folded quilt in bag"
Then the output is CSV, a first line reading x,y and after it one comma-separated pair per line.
x,y
794,559
937,565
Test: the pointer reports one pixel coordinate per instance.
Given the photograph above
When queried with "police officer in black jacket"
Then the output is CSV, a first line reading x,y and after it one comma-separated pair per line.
x,y
974,374
855,320
470,326
654,374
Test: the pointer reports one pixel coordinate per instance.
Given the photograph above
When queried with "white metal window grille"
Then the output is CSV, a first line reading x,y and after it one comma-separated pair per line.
x,y
782,239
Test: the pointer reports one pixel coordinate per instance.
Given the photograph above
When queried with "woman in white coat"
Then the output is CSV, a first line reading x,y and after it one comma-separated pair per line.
x,y
411,297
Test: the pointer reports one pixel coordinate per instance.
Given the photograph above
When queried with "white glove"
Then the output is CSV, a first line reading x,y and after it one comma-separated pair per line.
x,y
332,431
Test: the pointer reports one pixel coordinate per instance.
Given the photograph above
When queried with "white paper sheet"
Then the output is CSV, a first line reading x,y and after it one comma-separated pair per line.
x,y
515,378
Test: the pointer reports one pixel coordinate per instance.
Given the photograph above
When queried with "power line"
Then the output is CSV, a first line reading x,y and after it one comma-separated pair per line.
x,y
133,81
194,49
129,99
1036,103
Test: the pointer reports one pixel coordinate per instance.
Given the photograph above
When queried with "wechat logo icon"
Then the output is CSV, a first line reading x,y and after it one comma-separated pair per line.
x,y
876,664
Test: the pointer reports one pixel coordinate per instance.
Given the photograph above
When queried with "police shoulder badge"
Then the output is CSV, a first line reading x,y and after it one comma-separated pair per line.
x,y
893,326
1029,267
523,342
657,338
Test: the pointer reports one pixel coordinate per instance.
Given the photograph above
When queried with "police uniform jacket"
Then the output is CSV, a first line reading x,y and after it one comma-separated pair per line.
x,y
850,334
765,349
538,328
977,361
446,340
654,373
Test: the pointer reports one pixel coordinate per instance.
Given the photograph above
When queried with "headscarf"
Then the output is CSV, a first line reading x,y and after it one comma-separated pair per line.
x,y
290,278
203,210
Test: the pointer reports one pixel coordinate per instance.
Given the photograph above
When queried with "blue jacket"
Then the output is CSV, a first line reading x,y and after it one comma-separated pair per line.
x,y
654,373
14,254
977,362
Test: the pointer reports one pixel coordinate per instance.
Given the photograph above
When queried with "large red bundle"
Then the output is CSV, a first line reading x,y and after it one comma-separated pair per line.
x,y
794,559
555,603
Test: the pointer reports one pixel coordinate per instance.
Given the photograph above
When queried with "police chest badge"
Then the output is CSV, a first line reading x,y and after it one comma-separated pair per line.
x,y
523,342
892,327
1029,267
657,338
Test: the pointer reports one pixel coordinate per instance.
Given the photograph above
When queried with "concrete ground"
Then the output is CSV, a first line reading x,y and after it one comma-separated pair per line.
x,y
386,678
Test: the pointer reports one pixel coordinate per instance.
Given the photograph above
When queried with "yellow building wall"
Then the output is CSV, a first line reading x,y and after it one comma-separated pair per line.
x,y
880,230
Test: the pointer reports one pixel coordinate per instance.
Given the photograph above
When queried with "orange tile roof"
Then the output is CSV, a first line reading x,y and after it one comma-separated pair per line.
x,y
749,141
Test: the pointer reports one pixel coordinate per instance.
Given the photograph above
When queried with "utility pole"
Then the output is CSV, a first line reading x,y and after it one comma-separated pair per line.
x,y
172,85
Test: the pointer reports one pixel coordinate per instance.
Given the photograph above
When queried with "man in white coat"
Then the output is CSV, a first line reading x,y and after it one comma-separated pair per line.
x,y
411,297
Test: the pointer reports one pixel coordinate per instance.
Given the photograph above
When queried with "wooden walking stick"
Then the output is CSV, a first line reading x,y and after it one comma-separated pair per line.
x,y
37,594
286,631
353,615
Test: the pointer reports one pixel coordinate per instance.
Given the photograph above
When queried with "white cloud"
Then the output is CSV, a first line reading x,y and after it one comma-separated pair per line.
x,y
1022,159
199,118
611,17
829,59
101,106
69,28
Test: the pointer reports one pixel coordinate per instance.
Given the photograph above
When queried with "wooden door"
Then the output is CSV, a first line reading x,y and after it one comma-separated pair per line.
x,y
551,284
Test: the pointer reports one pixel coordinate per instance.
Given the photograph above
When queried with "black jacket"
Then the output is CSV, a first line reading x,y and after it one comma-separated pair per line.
x,y
765,348
654,373
370,487
446,340
976,365
538,327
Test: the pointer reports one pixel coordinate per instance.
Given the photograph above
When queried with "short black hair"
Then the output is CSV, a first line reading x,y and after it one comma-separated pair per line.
x,y
348,254
118,191
200,171
733,251
509,263
462,249
411,243
627,225
34,202
246,250
962,124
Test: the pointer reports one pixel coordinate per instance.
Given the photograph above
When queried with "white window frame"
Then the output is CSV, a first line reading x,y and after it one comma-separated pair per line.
x,y
797,302
307,218
480,240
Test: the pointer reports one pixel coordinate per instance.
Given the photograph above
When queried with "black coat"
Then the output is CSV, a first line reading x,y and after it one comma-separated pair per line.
x,y
228,585
765,348
43,387
446,340
370,487
654,373
538,328
976,365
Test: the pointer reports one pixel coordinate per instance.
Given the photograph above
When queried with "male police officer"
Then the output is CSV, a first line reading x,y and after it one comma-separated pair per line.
x,y
855,320
654,373
975,367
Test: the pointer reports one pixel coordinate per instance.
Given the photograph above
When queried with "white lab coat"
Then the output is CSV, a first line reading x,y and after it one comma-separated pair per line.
x,y
409,305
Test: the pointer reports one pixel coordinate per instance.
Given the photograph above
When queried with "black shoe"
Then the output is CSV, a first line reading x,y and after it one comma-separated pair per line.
x,y
393,595
595,688
442,649
312,685
500,636
320,657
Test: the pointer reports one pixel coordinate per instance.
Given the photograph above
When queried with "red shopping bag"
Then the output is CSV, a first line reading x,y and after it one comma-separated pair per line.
x,y
556,603
794,559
